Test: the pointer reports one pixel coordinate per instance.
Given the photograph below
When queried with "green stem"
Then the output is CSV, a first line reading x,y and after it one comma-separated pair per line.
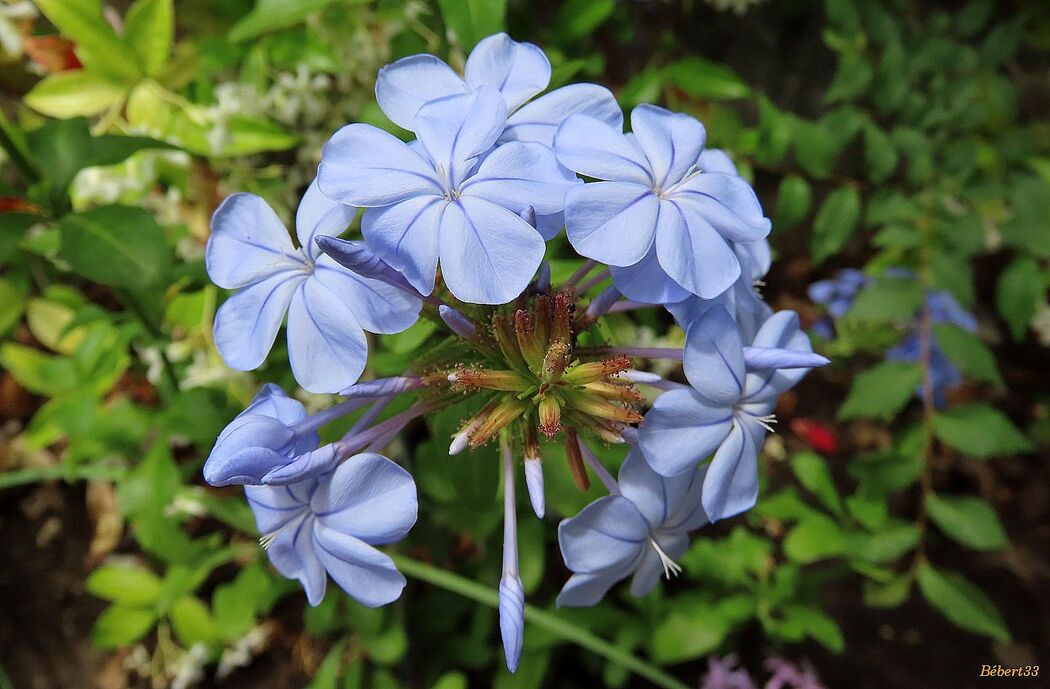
x,y
540,618
20,477
154,331
19,157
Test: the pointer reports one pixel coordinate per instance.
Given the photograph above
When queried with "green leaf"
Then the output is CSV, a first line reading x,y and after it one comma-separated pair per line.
x,y
815,624
12,303
961,602
707,80
981,431
693,629
887,594
119,625
192,621
270,15
119,246
852,77
812,472
97,45
1020,289
879,154
886,544
969,520
887,299
793,201
36,371
149,26
835,222
644,87
578,18
469,21
74,94
124,584
965,350
881,391
327,673
816,537
13,228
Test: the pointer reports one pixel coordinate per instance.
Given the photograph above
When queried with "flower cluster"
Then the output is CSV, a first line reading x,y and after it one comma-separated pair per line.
x,y
454,228
838,294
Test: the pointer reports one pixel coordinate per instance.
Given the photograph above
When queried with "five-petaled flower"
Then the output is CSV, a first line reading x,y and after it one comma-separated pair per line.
x,y
331,523
328,307
641,531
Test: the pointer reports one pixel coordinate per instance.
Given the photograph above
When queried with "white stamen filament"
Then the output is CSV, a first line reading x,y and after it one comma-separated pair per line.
x,y
767,421
671,568
266,540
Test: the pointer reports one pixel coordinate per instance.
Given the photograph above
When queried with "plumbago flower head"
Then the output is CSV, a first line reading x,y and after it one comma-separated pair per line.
x,y
328,307
459,218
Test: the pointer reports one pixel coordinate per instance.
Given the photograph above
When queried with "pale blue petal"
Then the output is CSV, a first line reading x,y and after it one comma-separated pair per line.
x,y
292,554
517,70
651,493
550,225
378,306
539,120
728,203
595,149
406,236
247,449
647,282
681,430
362,165
274,507
780,331
585,590
715,160
608,533
755,259
671,141
611,222
326,345
368,497
688,515
303,467
488,253
731,484
273,401
519,175
403,87
367,575
357,257
319,215
246,324
714,357
695,255
512,618
770,358
248,243
456,130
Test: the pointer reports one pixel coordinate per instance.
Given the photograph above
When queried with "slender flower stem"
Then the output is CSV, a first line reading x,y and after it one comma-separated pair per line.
x,y
601,304
369,417
352,444
510,512
314,421
542,619
21,477
594,281
675,353
382,387
580,273
628,305
599,470
929,411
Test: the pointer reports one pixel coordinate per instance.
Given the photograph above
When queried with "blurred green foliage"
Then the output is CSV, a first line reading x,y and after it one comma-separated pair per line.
x,y
921,150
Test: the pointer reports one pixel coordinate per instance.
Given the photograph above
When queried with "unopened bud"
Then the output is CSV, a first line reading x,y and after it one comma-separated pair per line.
x,y
550,415
575,458
534,482
527,341
592,371
462,437
561,328
507,340
595,406
555,360
615,391
480,378
504,413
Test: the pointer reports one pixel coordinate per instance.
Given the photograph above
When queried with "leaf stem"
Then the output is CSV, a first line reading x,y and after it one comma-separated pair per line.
x,y
21,477
538,617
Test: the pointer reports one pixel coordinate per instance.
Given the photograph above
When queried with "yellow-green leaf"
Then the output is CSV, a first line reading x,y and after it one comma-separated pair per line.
x,y
74,94
150,28
98,46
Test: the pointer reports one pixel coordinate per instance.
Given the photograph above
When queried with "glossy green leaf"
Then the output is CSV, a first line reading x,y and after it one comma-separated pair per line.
x,y
98,46
793,201
881,391
469,21
812,472
969,520
118,246
126,585
816,537
120,625
979,430
1020,289
74,94
149,27
965,350
961,602
704,79
835,222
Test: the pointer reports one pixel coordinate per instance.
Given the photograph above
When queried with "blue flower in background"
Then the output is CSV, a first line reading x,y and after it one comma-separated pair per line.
x,y
728,407
331,523
450,195
641,531
837,296
328,307
656,211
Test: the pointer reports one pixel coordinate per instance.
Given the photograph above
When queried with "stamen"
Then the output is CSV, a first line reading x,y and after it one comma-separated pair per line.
x,y
767,421
266,540
671,568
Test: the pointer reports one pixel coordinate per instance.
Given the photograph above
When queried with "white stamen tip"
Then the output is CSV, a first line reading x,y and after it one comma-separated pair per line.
x,y
767,422
671,568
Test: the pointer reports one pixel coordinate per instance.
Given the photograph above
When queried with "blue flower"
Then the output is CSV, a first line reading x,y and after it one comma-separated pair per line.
x,y
331,523
641,531
519,71
657,211
450,194
328,307
260,439
837,296
727,410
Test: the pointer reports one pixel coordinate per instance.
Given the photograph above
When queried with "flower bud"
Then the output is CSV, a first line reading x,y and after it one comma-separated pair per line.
x,y
550,415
